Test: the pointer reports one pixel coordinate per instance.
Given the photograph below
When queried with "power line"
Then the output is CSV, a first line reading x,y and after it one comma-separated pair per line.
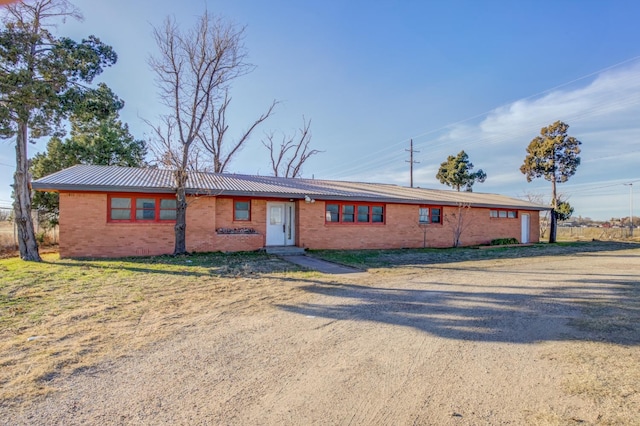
x,y
595,109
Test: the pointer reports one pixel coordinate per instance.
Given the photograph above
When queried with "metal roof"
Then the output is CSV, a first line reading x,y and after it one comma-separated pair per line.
x,y
150,180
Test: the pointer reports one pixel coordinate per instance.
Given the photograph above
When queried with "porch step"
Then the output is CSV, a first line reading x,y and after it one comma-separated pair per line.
x,y
284,250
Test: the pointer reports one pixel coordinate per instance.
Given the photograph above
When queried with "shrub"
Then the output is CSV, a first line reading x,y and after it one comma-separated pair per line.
x,y
504,241
41,236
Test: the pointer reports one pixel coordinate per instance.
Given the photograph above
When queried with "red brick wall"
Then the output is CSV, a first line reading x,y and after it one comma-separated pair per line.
x,y
85,232
401,229
240,242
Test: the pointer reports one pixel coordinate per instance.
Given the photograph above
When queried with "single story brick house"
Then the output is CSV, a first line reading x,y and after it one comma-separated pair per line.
x,y
108,211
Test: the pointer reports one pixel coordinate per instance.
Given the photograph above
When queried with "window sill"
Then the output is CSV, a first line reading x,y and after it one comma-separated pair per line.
x,y
354,224
141,222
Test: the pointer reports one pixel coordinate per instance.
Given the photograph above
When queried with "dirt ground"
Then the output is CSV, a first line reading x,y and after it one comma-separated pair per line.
x,y
537,340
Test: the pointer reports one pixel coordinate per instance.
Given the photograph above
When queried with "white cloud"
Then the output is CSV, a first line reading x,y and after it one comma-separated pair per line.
x,y
603,114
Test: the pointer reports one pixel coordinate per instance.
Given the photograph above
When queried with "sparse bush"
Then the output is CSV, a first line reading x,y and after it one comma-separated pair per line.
x,y
41,237
5,214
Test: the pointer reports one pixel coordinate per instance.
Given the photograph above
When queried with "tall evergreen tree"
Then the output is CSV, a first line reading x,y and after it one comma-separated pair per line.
x,y
457,173
564,211
553,156
104,142
43,78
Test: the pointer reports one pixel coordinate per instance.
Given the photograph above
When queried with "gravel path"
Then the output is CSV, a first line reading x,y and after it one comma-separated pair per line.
x,y
464,344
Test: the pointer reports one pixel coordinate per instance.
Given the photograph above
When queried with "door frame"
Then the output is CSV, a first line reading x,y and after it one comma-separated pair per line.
x,y
288,233
525,231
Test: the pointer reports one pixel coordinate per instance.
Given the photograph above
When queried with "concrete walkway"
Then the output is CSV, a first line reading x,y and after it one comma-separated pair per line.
x,y
320,265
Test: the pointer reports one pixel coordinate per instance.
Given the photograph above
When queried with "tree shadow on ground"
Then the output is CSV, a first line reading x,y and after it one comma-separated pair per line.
x,y
366,259
227,265
608,310
256,264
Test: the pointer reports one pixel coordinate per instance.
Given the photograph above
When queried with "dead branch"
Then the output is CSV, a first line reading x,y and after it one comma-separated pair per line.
x,y
213,135
290,166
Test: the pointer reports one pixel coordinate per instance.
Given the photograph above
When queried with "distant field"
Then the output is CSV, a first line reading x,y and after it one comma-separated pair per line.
x,y
604,234
8,241
6,227
6,234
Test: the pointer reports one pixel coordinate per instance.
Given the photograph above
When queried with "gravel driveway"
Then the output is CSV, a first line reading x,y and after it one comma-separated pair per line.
x,y
499,341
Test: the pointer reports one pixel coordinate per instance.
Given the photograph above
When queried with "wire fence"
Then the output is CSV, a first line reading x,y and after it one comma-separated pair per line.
x,y
9,232
593,233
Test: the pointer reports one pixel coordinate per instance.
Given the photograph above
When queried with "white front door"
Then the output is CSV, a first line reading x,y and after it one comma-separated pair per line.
x,y
524,233
280,224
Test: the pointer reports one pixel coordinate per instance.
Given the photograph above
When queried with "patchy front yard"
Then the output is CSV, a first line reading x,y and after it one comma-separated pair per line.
x,y
545,335
61,316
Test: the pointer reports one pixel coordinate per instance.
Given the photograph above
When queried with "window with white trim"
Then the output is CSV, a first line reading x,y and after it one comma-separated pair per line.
x,y
503,214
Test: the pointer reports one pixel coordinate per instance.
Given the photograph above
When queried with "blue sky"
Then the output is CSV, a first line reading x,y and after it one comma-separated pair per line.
x,y
483,76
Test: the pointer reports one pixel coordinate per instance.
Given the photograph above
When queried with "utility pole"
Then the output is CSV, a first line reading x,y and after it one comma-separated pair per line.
x,y
630,185
411,162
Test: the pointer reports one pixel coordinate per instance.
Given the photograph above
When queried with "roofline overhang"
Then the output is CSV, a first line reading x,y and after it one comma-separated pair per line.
x,y
39,186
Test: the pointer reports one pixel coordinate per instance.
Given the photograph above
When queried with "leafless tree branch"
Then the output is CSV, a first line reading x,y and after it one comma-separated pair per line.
x,y
286,165
193,70
459,221
214,131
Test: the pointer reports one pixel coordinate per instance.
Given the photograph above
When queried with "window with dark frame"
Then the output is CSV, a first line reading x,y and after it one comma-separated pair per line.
x,y
354,213
120,208
436,216
363,213
141,208
332,213
377,214
145,208
168,209
242,210
428,215
348,211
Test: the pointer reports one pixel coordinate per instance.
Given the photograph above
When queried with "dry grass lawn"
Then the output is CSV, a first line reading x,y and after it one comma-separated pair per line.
x,y
60,316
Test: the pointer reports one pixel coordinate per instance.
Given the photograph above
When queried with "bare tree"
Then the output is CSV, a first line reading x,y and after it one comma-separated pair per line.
x,y
194,69
538,198
458,221
215,129
287,159
167,151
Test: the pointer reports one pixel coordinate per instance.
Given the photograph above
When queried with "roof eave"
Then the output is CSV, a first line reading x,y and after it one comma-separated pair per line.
x,y
41,186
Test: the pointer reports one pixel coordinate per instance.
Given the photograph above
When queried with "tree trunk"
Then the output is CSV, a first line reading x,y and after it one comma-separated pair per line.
x,y
553,227
181,213
554,220
22,200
